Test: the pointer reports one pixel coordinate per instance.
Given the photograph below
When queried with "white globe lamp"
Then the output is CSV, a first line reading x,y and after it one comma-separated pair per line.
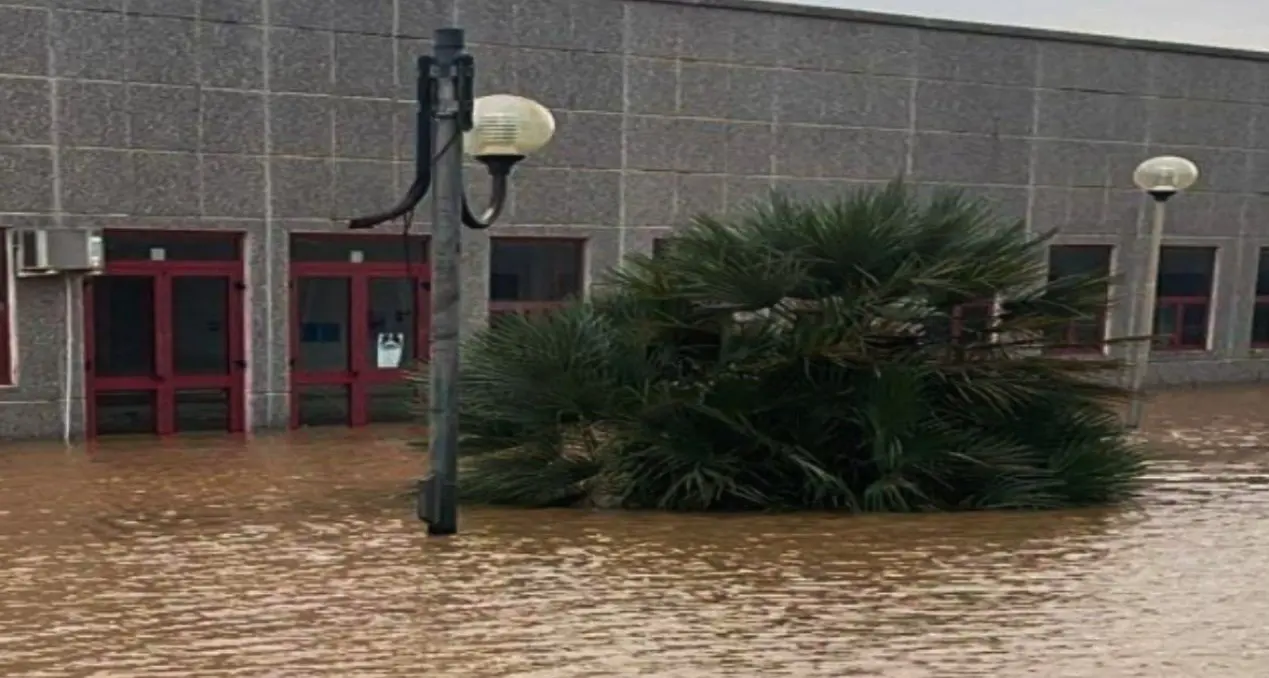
x,y
1165,176
506,129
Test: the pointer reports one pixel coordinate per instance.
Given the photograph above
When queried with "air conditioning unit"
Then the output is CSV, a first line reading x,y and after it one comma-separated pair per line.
x,y
40,252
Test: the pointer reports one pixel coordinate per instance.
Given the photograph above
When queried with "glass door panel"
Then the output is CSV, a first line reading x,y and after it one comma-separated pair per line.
x,y
202,410
394,403
125,412
392,323
123,326
200,325
323,310
323,405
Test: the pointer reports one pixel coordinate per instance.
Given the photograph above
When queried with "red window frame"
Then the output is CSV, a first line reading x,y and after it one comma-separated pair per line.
x,y
1174,341
1067,338
1183,304
538,306
6,311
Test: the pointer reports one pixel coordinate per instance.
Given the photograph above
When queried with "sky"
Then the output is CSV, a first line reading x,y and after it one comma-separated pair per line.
x,y
1241,24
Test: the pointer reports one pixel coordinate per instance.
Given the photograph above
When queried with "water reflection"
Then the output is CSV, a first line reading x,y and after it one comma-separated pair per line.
x,y
298,557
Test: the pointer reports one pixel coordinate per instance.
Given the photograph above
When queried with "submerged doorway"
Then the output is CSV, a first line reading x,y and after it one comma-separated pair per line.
x,y
359,320
163,335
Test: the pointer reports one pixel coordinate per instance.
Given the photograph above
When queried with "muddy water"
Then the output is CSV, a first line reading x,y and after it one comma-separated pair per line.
x,y
292,557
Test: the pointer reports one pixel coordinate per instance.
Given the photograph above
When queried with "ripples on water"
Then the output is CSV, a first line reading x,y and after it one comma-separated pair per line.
x,y
292,557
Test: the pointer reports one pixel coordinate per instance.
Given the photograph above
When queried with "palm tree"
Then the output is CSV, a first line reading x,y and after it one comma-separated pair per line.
x,y
872,353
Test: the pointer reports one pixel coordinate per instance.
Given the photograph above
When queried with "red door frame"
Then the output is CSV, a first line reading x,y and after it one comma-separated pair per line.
x,y
165,383
360,374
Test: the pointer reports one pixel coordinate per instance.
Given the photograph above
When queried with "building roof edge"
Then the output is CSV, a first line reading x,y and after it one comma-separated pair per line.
x,y
861,16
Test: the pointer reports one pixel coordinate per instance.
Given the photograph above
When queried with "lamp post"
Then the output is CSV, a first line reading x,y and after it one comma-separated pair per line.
x,y
498,131
1161,178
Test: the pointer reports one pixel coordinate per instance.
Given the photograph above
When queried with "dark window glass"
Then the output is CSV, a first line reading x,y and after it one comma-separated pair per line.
x,y
1185,285
1262,274
1193,328
659,247
1260,325
6,318
1186,271
388,249
969,323
198,411
1181,324
123,326
126,412
976,318
1069,260
323,405
323,310
1080,260
1260,319
393,403
200,324
171,246
535,270
1166,325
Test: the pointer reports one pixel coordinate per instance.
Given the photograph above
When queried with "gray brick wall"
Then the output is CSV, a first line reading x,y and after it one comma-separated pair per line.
x,y
275,116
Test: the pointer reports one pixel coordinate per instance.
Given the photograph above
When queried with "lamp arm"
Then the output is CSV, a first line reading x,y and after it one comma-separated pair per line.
x,y
497,202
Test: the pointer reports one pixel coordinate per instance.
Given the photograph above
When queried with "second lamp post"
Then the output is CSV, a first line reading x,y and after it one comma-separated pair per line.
x,y
1161,178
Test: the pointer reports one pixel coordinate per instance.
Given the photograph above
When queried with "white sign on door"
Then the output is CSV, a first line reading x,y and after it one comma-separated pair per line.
x,y
391,346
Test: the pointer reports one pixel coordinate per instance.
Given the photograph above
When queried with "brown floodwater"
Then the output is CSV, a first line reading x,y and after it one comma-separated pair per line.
x,y
297,556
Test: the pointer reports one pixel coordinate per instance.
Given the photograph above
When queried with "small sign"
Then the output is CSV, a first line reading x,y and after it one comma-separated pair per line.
x,y
158,254
390,348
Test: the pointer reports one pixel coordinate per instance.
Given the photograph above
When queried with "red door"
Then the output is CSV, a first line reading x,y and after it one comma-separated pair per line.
x,y
164,338
356,330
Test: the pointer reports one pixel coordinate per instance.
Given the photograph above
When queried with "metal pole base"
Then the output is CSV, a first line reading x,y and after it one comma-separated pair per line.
x,y
438,506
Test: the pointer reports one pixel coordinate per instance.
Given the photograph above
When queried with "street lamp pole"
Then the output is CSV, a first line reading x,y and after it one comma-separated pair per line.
x,y
1161,178
500,130
438,506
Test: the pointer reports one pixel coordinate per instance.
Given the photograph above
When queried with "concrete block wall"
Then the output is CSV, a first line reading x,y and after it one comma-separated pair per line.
x,y
269,117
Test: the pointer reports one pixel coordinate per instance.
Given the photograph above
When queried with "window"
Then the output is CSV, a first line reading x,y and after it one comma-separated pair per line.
x,y
6,311
1184,297
153,245
346,248
658,247
973,321
1260,320
530,275
1082,334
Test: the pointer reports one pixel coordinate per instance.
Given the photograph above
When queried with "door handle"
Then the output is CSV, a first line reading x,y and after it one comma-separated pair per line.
x,y
240,364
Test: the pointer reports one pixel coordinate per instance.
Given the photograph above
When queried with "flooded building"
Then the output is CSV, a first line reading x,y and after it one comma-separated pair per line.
x,y
220,146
